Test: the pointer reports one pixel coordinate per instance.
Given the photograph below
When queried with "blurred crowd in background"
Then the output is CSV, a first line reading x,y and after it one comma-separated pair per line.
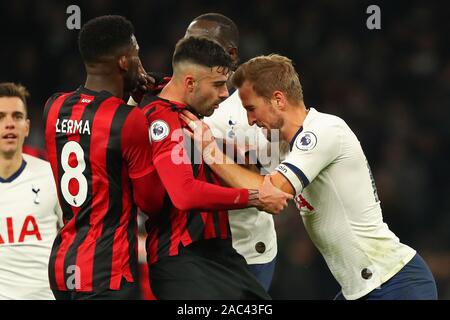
x,y
392,86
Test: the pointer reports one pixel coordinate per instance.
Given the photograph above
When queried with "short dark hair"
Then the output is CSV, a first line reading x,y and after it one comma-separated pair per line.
x,y
228,29
201,51
10,89
104,35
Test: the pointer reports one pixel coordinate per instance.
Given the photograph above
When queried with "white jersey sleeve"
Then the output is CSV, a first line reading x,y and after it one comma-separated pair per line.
x,y
312,151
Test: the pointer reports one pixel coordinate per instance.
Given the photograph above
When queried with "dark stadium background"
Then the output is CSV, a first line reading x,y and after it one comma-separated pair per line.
x,y
392,86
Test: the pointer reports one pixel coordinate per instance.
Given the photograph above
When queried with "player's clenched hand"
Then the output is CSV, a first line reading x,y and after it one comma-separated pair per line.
x,y
159,81
273,199
145,83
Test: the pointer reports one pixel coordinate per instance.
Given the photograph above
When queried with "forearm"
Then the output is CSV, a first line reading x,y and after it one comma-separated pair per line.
x,y
178,179
234,175
262,193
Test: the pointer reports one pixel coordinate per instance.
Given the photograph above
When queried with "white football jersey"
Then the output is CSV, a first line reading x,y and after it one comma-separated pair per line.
x,y
253,232
339,205
29,219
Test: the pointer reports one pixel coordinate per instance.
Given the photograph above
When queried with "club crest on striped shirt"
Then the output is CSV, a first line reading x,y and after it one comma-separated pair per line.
x,y
306,141
159,130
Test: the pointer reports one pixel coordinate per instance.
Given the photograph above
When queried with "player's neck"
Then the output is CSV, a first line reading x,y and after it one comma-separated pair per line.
x,y
172,92
105,82
294,119
10,165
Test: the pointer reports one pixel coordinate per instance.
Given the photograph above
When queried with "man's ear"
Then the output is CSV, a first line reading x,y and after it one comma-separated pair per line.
x,y
280,99
27,127
233,52
189,83
123,63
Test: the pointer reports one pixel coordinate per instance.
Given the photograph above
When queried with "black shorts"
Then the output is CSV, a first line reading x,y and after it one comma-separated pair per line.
x,y
127,291
205,270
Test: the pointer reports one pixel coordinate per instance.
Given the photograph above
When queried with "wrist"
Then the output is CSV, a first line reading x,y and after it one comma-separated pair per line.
x,y
253,198
244,197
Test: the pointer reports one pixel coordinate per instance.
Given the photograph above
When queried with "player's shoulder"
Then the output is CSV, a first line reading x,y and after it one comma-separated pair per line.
x,y
54,96
323,121
153,105
162,116
160,109
125,117
318,127
38,164
50,100
128,109
58,94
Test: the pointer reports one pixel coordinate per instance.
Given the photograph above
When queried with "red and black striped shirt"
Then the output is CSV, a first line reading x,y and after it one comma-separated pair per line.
x,y
196,204
99,149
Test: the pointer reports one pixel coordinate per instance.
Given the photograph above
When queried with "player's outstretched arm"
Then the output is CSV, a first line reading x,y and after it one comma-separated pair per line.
x,y
234,175
188,193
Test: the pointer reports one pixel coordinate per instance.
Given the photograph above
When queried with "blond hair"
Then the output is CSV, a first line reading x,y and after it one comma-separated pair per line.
x,y
268,74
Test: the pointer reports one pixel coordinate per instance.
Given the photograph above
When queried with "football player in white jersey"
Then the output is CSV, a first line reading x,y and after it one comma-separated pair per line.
x,y
30,214
253,231
328,173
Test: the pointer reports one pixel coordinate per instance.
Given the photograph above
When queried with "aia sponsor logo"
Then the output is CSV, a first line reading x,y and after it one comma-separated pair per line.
x,y
18,231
